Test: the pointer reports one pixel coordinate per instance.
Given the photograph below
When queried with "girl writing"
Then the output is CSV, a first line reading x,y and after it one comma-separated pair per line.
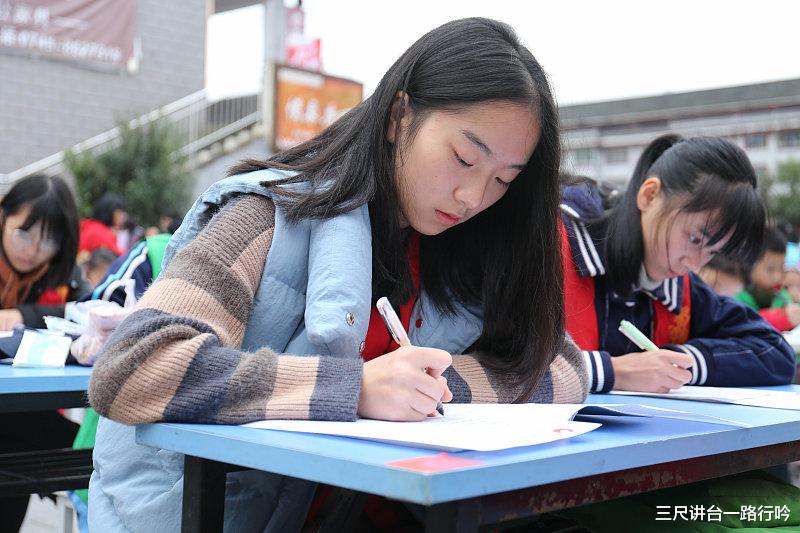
x,y
688,200
439,191
39,226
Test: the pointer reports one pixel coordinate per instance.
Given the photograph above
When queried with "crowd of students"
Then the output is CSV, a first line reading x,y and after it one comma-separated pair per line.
x,y
442,191
40,250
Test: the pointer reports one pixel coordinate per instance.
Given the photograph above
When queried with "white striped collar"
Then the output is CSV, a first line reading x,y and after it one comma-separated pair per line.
x,y
669,293
585,253
589,259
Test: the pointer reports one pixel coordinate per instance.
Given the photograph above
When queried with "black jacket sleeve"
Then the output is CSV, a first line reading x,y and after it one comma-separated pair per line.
x,y
33,313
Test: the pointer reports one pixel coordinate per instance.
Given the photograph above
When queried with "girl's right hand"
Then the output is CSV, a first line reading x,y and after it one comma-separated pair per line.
x,y
9,319
657,371
397,387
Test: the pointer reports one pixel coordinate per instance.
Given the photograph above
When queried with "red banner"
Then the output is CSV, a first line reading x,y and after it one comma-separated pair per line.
x,y
99,32
301,52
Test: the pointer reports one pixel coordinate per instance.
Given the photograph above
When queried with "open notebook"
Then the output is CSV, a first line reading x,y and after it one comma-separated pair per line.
x,y
775,399
485,427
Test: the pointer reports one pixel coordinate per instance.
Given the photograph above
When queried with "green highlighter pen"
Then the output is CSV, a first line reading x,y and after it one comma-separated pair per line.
x,y
637,337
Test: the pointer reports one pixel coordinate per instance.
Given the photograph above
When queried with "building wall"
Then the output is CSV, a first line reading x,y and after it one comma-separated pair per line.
x,y
48,105
610,153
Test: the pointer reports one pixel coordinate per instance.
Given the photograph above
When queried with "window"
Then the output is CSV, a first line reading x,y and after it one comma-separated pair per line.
x,y
755,140
583,155
789,138
617,155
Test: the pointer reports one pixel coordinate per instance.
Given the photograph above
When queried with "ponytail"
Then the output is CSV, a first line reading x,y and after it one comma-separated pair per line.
x,y
705,174
650,155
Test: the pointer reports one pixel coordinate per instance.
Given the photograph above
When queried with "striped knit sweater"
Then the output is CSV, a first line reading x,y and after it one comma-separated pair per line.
x,y
178,356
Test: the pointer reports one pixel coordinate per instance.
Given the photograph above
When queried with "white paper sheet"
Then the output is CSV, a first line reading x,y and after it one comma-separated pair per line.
x,y
486,427
482,427
735,395
37,349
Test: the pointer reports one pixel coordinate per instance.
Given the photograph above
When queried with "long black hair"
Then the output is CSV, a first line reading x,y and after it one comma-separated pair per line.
x,y
508,257
698,174
52,203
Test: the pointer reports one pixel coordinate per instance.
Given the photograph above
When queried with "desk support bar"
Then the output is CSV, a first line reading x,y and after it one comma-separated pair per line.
x,y
204,491
42,401
203,494
513,505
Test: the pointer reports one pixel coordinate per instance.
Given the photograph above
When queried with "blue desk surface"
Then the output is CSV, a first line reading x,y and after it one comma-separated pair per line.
x,y
31,380
361,465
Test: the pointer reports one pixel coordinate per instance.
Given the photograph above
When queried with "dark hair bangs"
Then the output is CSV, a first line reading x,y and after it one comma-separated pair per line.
x,y
731,205
52,203
47,210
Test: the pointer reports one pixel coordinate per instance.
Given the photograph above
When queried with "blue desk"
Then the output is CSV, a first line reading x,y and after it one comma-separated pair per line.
x,y
42,389
623,457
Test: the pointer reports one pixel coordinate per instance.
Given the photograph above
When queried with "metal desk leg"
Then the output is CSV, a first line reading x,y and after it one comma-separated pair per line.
x,y
342,511
203,495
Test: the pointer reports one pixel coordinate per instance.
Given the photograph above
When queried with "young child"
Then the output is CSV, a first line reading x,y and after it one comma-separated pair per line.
x,y
791,276
784,312
766,274
723,275
688,200
439,191
94,270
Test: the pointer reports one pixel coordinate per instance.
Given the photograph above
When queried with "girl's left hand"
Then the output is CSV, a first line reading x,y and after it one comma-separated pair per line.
x,y
9,318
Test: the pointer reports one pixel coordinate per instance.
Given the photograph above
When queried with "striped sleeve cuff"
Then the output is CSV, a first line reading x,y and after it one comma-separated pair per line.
x,y
601,373
700,367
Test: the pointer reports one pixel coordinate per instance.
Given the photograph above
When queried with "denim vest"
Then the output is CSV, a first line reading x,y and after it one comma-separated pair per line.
x,y
314,298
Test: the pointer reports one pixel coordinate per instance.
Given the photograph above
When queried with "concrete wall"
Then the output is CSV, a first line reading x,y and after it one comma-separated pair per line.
x,y
48,105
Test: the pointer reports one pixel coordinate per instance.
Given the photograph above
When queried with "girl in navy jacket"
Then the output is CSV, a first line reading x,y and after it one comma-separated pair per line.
x,y
688,200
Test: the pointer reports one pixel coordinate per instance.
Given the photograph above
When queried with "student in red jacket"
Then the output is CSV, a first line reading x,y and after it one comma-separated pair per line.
x,y
39,222
97,231
764,291
688,200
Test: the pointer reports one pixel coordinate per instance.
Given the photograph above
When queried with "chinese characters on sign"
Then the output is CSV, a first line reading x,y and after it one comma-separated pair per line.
x,y
712,513
308,102
100,32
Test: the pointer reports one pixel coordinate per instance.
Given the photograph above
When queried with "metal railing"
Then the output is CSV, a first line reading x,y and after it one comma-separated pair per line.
x,y
199,122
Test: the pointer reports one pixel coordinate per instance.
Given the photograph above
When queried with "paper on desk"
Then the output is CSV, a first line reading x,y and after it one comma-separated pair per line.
x,y
41,349
793,338
482,427
588,411
485,427
734,395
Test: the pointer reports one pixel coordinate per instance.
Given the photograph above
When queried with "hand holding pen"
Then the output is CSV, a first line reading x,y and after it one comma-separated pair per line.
x,y
405,384
398,333
653,370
